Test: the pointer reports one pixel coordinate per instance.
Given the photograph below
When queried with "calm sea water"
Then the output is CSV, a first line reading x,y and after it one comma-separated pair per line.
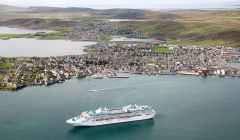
x,y
7,30
42,48
33,47
188,108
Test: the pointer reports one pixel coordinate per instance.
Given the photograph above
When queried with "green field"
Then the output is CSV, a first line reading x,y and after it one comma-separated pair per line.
x,y
106,37
5,65
162,49
48,36
1,76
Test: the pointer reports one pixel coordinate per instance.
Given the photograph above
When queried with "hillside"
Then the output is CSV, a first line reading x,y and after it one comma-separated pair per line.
x,y
210,27
6,8
195,27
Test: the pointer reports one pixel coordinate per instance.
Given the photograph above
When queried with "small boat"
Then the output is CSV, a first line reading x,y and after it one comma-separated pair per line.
x,y
97,76
114,75
188,73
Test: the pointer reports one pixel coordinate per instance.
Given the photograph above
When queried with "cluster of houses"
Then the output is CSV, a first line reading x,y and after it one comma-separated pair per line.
x,y
122,56
141,57
96,30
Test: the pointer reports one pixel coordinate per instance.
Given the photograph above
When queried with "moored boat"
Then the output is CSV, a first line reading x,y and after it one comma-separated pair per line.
x,y
114,75
97,76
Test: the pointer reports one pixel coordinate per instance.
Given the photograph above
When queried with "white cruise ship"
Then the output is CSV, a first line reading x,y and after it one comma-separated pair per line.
x,y
103,116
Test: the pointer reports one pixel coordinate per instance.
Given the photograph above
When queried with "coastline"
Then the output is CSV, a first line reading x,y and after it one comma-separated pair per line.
x,y
128,74
103,56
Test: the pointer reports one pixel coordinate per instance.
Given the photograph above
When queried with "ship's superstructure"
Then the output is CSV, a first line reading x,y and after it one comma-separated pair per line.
x,y
103,116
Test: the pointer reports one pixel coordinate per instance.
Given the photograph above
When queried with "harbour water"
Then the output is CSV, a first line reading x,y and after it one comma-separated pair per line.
x,y
33,47
188,108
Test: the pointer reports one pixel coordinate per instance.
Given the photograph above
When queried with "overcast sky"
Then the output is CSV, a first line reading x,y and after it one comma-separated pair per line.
x,y
120,3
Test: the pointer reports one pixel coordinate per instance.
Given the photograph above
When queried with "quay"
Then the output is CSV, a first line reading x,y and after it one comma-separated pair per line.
x,y
188,73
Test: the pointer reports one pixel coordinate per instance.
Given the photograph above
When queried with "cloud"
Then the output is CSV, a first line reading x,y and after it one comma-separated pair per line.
x,y
110,3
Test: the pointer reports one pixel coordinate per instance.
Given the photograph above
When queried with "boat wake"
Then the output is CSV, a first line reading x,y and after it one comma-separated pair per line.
x,y
130,86
95,90
107,89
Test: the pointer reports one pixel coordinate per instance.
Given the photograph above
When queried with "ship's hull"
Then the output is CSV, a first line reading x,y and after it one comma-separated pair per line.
x,y
117,119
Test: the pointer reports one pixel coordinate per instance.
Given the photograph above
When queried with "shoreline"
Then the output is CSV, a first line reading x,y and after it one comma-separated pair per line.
x,y
128,76
160,58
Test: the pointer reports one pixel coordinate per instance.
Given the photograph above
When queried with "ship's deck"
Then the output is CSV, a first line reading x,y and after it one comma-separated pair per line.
x,y
115,111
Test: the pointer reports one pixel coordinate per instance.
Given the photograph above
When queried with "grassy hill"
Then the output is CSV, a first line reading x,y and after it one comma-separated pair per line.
x,y
200,27
194,27
6,8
